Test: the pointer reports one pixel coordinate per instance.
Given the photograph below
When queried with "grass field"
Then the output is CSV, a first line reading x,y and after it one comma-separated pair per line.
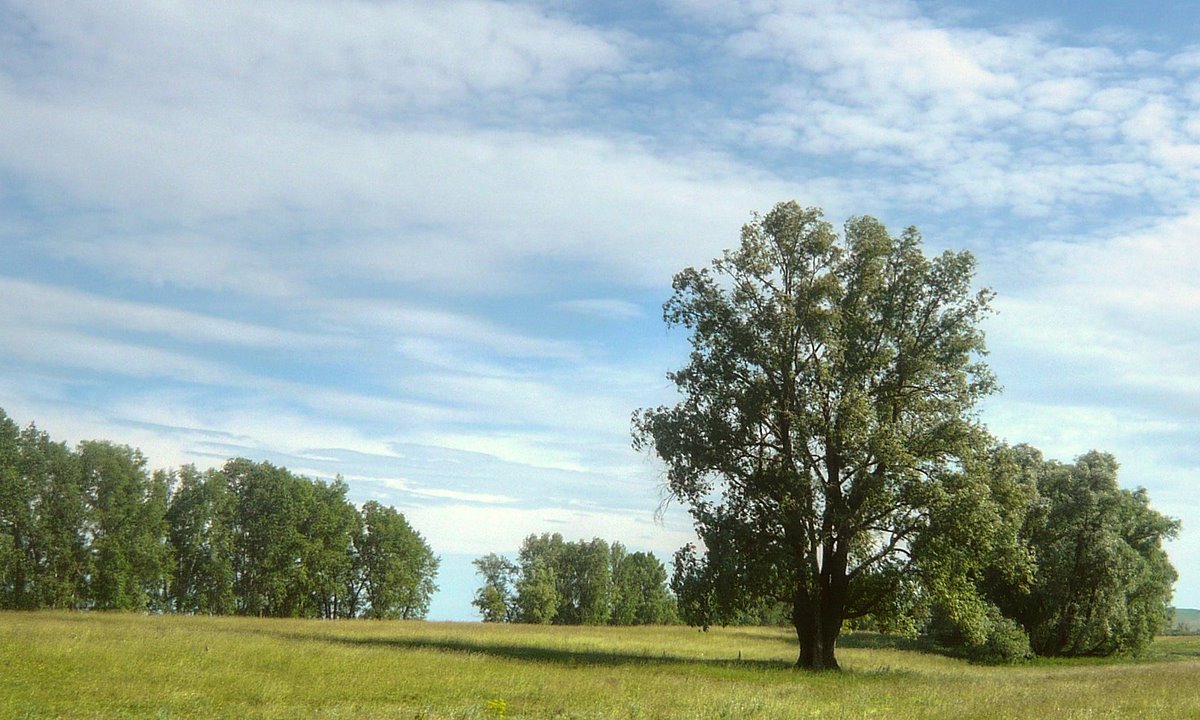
x,y
101,665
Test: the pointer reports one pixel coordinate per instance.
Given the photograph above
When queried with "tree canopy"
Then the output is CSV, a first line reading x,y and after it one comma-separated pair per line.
x,y
94,528
574,583
828,447
827,418
1101,583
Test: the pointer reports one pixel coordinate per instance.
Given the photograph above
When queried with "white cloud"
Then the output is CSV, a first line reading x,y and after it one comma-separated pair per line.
x,y
504,201
66,349
882,84
520,448
408,487
347,57
604,308
39,307
1099,350
410,240
183,259
480,530
1060,94
408,322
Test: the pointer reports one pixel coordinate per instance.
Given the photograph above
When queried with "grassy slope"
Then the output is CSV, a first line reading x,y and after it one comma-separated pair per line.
x,y
94,665
1188,617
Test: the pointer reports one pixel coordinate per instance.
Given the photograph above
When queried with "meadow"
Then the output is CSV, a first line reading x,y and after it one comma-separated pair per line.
x,y
99,665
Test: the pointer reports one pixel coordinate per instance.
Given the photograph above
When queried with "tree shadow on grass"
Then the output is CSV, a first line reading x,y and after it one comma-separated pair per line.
x,y
585,657
864,640
879,641
543,654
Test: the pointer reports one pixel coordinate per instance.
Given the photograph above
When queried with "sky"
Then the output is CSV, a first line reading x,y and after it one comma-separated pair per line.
x,y
425,245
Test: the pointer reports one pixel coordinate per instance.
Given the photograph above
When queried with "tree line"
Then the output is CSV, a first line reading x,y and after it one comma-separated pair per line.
x,y
828,446
93,528
574,583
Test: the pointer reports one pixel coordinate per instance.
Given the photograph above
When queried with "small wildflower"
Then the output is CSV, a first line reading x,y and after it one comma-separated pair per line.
x,y
498,707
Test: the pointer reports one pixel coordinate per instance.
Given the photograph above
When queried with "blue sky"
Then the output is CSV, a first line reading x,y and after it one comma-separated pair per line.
x,y
425,245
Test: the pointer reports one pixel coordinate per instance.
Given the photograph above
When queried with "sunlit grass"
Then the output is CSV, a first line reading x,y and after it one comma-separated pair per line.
x,y
100,665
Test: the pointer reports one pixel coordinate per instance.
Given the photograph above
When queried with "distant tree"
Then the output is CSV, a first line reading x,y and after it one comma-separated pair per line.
x,y
329,527
94,528
398,566
131,560
587,582
537,593
201,518
60,515
16,522
640,590
581,576
496,598
584,581
827,414
269,547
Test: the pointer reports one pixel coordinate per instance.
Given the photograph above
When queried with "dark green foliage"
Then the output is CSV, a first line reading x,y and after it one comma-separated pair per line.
x,y
16,523
827,414
1102,581
131,559
574,583
43,553
640,595
269,547
397,566
537,593
706,593
330,527
1076,567
583,579
95,529
302,550
989,637
201,518
61,516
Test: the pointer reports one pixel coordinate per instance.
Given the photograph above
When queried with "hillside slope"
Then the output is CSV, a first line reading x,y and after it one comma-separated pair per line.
x,y
1187,620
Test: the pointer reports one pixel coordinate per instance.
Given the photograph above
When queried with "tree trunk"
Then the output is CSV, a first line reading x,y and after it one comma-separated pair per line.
x,y
818,624
817,646
806,632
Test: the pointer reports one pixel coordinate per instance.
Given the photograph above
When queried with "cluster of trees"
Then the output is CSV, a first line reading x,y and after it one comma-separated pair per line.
x,y
574,583
829,449
93,528
1082,571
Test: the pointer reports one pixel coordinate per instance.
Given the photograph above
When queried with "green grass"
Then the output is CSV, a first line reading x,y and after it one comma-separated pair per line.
x,y
108,665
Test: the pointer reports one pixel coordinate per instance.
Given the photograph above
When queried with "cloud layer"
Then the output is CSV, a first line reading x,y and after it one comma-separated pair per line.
x,y
425,244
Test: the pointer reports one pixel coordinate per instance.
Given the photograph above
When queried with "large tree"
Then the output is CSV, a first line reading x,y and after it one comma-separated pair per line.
x,y
827,418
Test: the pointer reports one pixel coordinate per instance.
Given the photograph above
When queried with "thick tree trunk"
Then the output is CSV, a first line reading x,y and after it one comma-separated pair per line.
x,y
818,622
818,646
